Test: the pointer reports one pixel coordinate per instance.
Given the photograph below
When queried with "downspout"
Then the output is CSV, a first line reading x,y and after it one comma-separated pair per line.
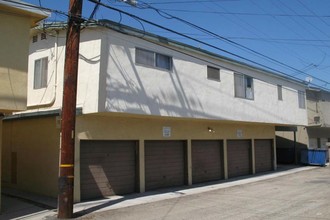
x,y
51,102
295,147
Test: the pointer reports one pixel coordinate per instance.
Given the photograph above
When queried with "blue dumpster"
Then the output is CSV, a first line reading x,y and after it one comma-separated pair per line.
x,y
314,156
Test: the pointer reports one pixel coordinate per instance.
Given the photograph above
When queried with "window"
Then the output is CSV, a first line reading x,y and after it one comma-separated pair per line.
x,y
301,99
163,61
34,38
144,57
40,73
279,92
213,73
152,59
43,36
243,86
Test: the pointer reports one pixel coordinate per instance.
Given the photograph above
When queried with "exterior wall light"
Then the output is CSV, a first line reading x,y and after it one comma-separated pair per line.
x,y
211,130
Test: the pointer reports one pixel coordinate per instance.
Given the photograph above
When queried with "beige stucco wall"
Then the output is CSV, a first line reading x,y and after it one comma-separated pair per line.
x,y
126,127
0,154
15,23
318,104
286,147
36,143
301,136
14,40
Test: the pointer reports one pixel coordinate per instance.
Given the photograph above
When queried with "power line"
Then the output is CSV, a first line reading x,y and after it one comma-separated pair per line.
x,y
27,6
319,17
204,43
169,16
178,33
290,29
249,27
189,2
291,40
246,13
314,26
94,11
285,24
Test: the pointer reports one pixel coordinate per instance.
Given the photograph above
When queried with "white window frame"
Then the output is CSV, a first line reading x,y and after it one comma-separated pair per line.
x,y
242,87
155,60
301,99
40,73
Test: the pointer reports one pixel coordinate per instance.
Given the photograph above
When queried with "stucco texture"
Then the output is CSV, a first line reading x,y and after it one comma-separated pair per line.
x,y
35,144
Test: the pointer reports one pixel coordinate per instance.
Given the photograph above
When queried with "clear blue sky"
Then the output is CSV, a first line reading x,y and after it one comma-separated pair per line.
x,y
295,32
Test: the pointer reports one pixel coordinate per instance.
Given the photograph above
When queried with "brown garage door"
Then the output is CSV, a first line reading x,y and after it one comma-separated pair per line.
x,y
107,168
207,160
263,155
164,164
239,157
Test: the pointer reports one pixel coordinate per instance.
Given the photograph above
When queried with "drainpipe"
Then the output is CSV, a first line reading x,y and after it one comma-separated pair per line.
x,y
295,146
51,102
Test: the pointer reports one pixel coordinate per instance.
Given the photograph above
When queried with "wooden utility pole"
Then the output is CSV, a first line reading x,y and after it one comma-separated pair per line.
x,y
66,175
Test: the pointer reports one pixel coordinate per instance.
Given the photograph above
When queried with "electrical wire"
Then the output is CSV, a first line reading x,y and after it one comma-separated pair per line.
x,y
302,26
319,17
96,7
248,27
204,43
167,29
189,2
314,26
169,16
245,13
27,6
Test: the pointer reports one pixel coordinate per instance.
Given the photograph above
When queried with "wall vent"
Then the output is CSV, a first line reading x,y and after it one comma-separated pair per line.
x,y
317,119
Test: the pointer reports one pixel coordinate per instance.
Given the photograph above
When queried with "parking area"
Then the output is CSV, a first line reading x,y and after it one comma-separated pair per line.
x,y
299,195
292,192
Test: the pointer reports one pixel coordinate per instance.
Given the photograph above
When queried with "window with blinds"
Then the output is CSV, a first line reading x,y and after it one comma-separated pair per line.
x,y
243,86
152,59
301,99
40,73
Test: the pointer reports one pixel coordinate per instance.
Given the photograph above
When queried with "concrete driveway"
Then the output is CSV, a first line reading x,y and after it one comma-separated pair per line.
x,y
301,195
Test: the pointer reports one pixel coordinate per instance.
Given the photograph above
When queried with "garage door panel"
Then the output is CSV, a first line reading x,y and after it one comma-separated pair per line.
x,y
106,165
207,160
263,155
239,157
107,168
164,164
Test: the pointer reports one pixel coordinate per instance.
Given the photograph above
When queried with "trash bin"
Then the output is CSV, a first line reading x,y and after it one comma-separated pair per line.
x,y
314,157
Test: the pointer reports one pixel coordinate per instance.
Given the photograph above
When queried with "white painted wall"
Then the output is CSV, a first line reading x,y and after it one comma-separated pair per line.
x,y
109,81
88,77
186,91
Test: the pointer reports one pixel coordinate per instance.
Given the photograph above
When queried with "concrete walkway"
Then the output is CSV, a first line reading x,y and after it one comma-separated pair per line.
x,y
19,205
